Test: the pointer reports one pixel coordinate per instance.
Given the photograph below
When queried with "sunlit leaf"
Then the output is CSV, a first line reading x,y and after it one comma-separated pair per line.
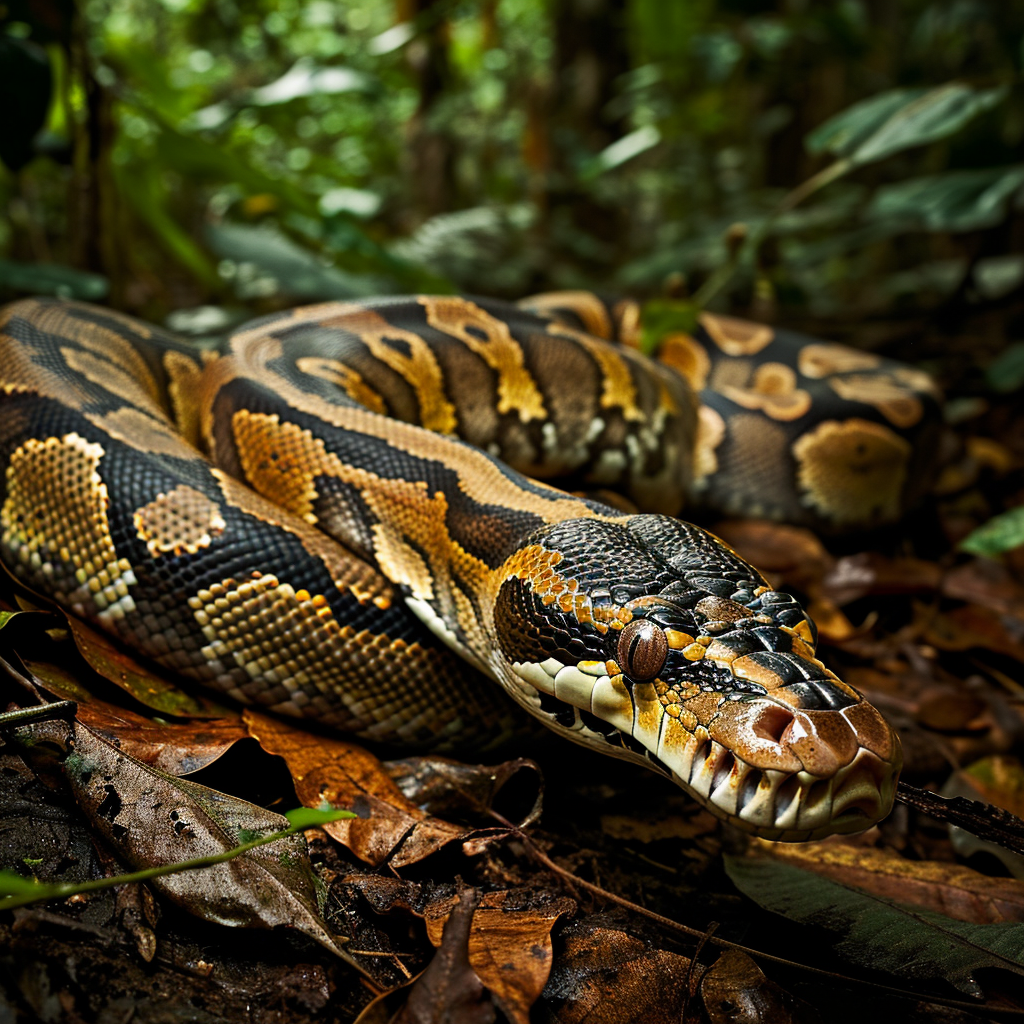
x,y
954,201
893,121
876,933
1000,534
307,817
307,79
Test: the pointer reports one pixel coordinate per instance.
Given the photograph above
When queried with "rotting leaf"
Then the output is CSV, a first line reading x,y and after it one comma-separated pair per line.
x,y
604,974
509,945
734,990
449,991
885,936
331,772
151,818
441,786
140,681
950,889
177,748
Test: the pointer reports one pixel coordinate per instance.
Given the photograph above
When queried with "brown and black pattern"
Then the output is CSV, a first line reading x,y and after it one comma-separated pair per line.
x,y
344,515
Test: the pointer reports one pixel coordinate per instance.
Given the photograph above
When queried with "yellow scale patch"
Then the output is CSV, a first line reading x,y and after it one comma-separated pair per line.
x,y
458,318
285,637
180,522
283,460
345,378
852,470
54,523
773,390
419,369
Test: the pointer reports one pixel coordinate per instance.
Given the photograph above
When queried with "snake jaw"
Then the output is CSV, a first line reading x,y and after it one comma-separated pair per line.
x,y
767,768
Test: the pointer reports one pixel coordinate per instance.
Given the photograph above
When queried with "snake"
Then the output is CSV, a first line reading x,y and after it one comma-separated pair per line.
x,y
369,513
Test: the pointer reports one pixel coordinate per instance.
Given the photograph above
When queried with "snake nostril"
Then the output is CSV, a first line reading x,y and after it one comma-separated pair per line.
x,y
772,722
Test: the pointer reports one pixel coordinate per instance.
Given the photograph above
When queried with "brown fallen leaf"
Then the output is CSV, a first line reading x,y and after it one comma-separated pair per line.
x,y
441,786
151,819
950,889
509,944
449,991
331,772
986,582
970,626
178,748
603,974
869,573
735,991
144,683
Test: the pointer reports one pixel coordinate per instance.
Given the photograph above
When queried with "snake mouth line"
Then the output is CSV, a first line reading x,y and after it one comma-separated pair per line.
x,y
786,802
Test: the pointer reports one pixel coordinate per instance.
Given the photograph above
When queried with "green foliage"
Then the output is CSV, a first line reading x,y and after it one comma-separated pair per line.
x,y
903,941
189,152
1000,534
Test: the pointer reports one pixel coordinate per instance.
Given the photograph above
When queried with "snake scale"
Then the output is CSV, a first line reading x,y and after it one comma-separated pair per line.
x,y
344,515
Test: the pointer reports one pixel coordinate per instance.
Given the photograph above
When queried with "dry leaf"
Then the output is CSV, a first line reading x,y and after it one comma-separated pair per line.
x,y
509,944
141,681
330,772
449,991
178,748
150,819
949,889
439,785
603,974
735,991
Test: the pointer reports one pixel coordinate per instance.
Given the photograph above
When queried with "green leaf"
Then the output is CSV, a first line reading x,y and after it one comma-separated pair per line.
x,y
292,270
870,931
842,134
306,817
662,317
954,201
896,120
1006,373
52,279
1000,534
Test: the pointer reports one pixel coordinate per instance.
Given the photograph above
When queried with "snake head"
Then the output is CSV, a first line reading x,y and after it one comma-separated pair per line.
x,y
650,639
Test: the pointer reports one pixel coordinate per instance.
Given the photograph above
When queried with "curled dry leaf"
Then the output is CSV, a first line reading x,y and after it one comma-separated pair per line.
x,y
734,990
603,974
439,785
509,944
178,748
330,772
150,819
449,991
945,888
141,681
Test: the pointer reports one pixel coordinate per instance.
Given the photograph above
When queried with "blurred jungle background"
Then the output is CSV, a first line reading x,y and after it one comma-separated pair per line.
x,y
844,162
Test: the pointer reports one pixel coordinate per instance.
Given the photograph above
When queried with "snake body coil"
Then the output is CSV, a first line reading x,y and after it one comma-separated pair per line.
x,y
354,545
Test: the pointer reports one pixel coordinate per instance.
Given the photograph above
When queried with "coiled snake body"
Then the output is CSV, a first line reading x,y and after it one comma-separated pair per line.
x,y
354,545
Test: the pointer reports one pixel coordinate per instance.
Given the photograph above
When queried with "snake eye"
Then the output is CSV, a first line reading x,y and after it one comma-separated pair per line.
x,y
642,649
